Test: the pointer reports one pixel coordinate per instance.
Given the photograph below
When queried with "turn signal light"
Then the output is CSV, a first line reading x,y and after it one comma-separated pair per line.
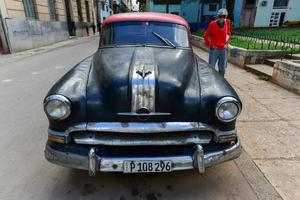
x,y
227,138
57,139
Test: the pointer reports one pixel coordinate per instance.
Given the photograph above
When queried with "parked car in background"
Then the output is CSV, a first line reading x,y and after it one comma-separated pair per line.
x,y
144,102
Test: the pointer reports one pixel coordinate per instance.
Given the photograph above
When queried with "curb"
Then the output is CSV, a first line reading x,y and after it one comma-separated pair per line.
x,y
263,189
8,58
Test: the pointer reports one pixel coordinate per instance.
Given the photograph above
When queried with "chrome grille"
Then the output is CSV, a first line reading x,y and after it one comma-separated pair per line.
x,y
134,139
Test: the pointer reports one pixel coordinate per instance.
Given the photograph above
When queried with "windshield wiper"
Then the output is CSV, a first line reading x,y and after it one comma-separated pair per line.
x,y
165,40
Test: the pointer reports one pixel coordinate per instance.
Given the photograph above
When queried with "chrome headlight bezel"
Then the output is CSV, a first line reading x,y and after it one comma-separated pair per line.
x,y
63,100
228,100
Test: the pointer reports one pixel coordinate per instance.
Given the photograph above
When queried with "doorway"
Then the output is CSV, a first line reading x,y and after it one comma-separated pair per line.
x,y
1,46
282,16
70,22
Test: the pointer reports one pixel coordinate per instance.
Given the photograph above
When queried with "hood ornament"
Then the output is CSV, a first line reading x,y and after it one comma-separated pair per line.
x,y
143,73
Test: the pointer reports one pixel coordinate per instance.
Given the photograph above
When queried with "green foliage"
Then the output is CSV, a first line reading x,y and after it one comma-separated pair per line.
x,y
199,32
264,77
275,34
252,43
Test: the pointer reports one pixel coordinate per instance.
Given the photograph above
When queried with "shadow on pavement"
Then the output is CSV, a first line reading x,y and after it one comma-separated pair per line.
x,y
220,182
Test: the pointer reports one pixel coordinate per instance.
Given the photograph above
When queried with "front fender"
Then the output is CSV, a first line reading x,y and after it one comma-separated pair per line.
x,y
213,88
73,86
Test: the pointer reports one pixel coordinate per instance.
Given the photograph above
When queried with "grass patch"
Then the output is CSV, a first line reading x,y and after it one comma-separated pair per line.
x,y
290,35
264,77
199,32
262,45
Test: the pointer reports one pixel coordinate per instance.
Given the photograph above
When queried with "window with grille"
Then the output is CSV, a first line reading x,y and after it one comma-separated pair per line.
x,y
212,7
52,9
280,3
79,10
103,6
250,2
167,1
87,11
29,8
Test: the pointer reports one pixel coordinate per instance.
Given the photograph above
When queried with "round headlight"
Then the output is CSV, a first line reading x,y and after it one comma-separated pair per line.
x,y
57,107
227,109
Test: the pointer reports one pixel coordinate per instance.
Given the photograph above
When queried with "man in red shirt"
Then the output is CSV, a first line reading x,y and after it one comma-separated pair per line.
x,y
217,37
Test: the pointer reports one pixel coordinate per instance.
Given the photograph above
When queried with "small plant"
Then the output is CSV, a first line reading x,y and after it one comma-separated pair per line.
x,y
264,77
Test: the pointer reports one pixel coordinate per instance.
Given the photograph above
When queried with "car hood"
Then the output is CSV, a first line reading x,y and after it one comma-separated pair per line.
x,y
124,80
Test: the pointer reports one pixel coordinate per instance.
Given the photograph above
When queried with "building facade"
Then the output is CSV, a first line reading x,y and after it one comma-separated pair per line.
x,y
27,24
209,9
135,6
105,9
244,13
265,13
196,12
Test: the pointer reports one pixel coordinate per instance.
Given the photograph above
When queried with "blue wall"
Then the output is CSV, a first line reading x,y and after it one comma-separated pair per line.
x,y
237,12
163,8
175,8
159,8
207,12
189,10
293,13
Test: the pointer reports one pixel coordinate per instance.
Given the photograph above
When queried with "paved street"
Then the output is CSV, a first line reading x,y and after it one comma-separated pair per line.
x,y
269,129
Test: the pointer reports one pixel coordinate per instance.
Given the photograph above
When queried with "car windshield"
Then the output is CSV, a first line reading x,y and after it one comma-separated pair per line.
x,y
145,33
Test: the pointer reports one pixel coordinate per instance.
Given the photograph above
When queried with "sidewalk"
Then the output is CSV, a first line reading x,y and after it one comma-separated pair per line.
x,y
8,58
269,127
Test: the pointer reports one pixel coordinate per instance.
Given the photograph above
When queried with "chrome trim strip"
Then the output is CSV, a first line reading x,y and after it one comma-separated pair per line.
x,y
145,127
76,127
146,114
137,140
140,128
105,164
56,133
143,78
59,134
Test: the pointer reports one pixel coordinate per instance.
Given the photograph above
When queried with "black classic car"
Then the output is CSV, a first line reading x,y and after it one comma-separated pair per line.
x,y
144,102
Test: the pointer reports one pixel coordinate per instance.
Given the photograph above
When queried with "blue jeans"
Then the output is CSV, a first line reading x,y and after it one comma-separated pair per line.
x,y
219,55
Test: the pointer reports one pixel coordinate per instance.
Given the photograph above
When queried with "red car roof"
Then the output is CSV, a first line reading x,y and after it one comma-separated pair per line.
x,y
146,16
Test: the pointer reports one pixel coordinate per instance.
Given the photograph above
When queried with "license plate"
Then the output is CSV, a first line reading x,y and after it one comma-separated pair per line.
x,y
149,166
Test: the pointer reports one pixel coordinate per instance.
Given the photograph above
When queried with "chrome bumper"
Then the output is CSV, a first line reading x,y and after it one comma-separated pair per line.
x,y
93,163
